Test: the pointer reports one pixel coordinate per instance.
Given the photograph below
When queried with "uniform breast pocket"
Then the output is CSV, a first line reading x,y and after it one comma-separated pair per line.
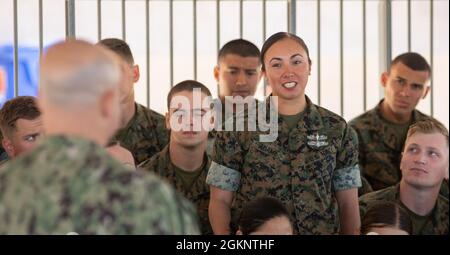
x,y
320,163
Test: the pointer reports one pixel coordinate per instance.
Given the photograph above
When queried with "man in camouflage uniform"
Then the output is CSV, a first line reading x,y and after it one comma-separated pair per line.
x,y
382,130
69,183
424,165
237,73
142,130
184,162
21,124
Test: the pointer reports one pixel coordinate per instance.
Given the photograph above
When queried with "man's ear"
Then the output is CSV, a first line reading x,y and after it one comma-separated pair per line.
x,y
216,73
9,147
136,73
384,79
427,89
239,232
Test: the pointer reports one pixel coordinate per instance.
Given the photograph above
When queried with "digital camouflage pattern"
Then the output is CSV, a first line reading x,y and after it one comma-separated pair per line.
x,y
220,114
438,223
297,170
199,192
69,184
145,135
380,150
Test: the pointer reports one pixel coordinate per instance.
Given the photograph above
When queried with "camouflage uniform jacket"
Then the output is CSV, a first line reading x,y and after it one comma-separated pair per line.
x,y
220,114
69,184
438,225
379,150
197,194
145,134
303,176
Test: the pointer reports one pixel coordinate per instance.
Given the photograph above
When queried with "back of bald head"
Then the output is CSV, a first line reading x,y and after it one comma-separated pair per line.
x,y
77,73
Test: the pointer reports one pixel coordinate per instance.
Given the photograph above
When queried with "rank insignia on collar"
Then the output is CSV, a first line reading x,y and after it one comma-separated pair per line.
x,y
316,140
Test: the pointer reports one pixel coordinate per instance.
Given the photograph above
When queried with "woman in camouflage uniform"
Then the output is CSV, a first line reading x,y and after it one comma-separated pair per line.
x,y
311,166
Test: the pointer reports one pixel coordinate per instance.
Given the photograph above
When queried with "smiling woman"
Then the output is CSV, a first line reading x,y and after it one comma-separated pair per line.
x,y
287,66
305,177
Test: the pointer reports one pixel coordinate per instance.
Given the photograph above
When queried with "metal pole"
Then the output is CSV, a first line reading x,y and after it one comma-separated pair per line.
x,y
431,57
292,16
241,17
264,18
385,36
318,53
218,35
70,18
218,25
364,57
41,34
195,37
16,50
171,40
99,20
124,26
264,10
341,52
409,25
147,49
388,32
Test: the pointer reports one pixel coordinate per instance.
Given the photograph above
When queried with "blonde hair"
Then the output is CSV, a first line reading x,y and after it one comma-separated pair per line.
x,y
428,126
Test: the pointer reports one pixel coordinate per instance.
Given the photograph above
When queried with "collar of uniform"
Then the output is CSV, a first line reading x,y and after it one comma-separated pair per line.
x,y
440,205
69,141
308,124
387,135
311,118
199,186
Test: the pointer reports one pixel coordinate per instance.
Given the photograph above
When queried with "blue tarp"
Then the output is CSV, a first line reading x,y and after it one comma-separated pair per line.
x,y
28,72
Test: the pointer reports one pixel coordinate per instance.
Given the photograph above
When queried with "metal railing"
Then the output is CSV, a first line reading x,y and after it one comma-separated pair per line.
x,y
291,21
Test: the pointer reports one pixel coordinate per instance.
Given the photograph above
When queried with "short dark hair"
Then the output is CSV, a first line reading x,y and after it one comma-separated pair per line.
x,y
413,60
386,214
120,47
21,107
278,37
239,47
187,85
258,212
